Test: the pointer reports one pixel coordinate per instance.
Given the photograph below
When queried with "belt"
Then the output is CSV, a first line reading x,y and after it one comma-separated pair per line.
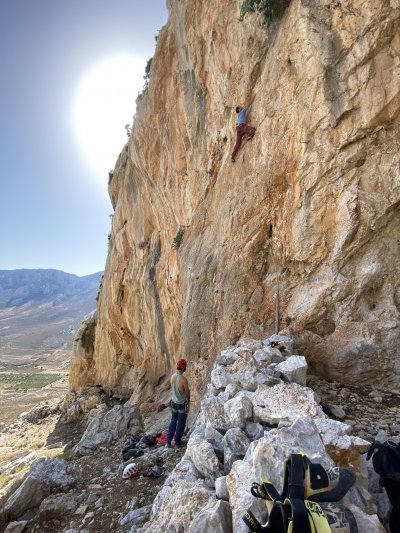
x,y
242,124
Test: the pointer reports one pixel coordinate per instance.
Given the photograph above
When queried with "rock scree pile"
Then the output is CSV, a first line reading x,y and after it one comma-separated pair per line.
x,y
256,411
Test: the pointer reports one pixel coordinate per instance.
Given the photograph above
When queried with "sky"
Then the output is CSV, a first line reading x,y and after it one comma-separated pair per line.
x,y
70,73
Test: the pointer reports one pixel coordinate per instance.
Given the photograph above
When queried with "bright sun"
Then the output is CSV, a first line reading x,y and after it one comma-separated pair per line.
x,y
104,104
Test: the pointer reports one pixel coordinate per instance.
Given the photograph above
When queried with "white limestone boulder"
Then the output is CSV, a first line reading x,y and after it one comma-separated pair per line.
x,y
57,505
366,522
231,390
236,444
221,490
136,517
340,444
186,470
108,426
239,409
226,358
213,414
244,372
263,356
215,438
217,519
220,378
184,501
77,405
41,411
254,430
238,482
269,376
248,344
211,391
16,527
202,455
267,455
294,369
284,402
45,477
236,440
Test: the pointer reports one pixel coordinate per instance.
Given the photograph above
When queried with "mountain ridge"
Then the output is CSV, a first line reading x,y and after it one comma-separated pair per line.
x,y
19,286
41,309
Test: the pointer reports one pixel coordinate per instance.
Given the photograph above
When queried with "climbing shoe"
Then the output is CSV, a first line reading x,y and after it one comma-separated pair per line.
x,y
340,481
339,517
303,516
306,480
318,484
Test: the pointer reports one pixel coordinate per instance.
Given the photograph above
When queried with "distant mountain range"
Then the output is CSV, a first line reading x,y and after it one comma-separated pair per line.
x,y
18,287
40,310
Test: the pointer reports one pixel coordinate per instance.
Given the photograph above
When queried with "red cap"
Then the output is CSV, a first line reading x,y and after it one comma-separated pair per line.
x,y
181,364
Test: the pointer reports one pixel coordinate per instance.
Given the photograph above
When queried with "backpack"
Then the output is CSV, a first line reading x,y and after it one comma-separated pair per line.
x,y
386,462
386,459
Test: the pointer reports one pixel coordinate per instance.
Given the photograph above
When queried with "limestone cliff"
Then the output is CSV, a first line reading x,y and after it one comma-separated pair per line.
x,y
303,230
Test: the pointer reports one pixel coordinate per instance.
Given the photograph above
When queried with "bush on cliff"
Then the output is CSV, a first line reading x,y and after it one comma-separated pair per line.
x,y
269,9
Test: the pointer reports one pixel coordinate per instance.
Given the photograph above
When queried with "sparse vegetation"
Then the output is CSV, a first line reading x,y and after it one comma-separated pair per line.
x,y
20,381
38,444
146,76
152,493
269,9
87,339
4,479
178,237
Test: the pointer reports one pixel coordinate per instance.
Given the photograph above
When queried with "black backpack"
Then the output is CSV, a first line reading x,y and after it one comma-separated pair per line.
x,y
386,459
386,462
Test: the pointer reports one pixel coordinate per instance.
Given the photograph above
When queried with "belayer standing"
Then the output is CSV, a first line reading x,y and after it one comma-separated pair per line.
x,y
179,404
242,129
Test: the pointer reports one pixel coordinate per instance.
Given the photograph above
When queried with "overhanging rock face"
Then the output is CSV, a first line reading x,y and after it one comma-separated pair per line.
x,y
200,248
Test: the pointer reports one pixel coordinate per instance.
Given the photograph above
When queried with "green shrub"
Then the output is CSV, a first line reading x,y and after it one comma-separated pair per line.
x,y
146,76
87,339
269,9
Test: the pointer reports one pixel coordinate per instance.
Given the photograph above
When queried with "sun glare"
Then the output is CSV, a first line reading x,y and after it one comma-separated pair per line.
x,y
104,105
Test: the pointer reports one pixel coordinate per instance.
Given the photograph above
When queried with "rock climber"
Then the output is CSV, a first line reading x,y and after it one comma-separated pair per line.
x,y
242,129
179,404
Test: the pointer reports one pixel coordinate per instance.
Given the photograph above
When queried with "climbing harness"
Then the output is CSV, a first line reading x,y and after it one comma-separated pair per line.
x,y
307,503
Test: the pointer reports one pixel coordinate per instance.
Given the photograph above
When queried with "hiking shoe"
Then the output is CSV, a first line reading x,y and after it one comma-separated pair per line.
x,y
250,137
168,445
233,160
